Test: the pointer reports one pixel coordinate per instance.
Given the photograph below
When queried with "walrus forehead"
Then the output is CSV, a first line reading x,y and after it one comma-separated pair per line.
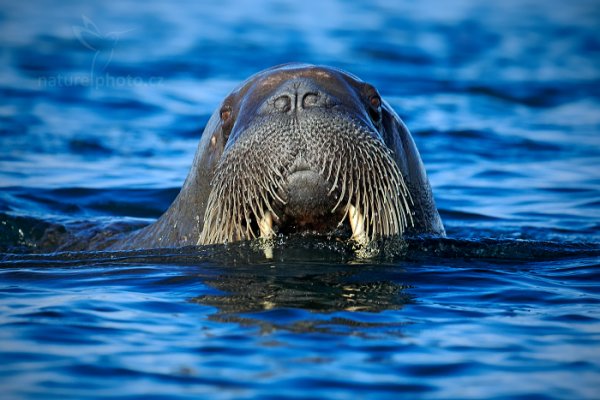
x,y
342,95
333,81
275,79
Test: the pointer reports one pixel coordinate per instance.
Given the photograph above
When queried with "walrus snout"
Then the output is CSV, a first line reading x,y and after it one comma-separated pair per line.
x,y
307,196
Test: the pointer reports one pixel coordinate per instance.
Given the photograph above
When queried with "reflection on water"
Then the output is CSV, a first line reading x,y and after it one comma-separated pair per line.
x,y
340,290
226,319
290,296
313,318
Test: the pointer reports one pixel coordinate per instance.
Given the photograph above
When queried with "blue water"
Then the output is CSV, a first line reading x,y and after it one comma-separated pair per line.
x,y
102,109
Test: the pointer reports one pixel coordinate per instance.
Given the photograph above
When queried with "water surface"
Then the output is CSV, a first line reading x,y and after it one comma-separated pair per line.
x,y
103,107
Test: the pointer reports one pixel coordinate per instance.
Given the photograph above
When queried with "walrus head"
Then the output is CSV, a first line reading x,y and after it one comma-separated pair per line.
x,y
300,148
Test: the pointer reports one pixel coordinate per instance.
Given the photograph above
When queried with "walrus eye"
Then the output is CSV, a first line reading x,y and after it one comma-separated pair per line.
x,y
375,108
375,101
226,122
225,114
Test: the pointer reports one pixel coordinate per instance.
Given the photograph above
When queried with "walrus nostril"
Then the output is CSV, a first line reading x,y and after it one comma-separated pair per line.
x,y
310,100
283,103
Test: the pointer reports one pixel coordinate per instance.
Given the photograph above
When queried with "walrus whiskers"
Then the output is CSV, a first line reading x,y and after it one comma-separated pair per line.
x,y
361,174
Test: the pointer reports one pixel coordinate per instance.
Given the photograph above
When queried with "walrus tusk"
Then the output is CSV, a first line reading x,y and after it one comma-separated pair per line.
x,y
266,226
266,232
357,223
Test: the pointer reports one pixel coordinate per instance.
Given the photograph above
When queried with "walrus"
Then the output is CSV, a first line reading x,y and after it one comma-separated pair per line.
x,y
299,148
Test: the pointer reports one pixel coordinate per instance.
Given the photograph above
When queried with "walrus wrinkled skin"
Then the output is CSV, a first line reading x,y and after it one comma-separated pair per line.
x,y
299,148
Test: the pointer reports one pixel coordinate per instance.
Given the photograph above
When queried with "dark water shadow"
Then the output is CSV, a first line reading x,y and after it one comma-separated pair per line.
x,y
305,285
300,284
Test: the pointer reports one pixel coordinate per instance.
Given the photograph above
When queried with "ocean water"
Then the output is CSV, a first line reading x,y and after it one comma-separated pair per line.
x,y
102,109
